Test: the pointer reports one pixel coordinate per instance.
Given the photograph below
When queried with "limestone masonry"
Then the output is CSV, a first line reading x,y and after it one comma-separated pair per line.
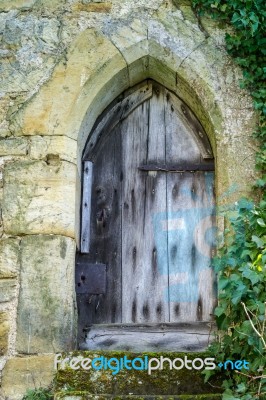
x,y
62,63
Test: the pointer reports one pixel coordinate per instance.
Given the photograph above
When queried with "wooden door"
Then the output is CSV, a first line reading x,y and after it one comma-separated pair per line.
x,y
151,226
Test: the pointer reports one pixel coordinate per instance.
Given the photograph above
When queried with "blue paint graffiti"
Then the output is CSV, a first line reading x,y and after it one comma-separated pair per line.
x,y
180,227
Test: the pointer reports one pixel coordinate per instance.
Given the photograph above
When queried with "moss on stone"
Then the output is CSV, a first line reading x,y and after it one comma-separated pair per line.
x,y
160,382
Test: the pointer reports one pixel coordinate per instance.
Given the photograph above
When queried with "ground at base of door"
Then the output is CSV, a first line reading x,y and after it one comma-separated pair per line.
x,y
86,396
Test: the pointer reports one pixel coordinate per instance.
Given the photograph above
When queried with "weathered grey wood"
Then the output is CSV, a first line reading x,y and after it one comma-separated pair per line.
x,y
150,225
192,124
86,207
106,226
191,279
144,281
105,235
189,205
181,147
190,327
148,337
120,111
190,167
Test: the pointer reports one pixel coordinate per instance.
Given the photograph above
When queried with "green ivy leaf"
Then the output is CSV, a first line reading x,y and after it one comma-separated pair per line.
x,y
228,395
241,388
261,222
259,242
219,311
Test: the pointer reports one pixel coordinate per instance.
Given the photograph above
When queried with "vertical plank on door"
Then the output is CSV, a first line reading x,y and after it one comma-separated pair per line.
x,y
190,210
106,228
204,238
145,272
190,220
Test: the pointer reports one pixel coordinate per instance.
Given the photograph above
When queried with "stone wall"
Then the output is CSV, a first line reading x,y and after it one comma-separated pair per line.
x,y
62,63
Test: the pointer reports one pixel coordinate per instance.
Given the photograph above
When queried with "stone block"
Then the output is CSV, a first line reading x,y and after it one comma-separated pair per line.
x,y
102,7
7,5
92,62
139,70
7,289
46,320
161,73
131,40
13,147
64,147
21,373
166,45
39,197
9,260
4,330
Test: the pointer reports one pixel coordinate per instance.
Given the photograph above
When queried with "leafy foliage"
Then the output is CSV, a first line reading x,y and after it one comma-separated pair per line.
x,y
38,394
248,47
242,280
241,264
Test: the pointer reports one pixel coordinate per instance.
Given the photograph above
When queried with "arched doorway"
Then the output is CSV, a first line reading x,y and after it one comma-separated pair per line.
x,y
143,277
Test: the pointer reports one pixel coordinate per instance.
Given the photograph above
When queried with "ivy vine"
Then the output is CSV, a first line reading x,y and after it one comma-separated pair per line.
x,y
241,264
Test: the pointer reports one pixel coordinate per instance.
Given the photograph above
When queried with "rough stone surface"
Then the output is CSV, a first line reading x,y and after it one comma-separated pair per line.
x,y
136,382
21,373
39,197
9,260
90,58
4,330
7,5
7,289
13,147
31,48
46,310
62,63
62,146
101,7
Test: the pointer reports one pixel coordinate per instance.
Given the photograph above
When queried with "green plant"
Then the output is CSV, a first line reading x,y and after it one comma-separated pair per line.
x,y
241,314
38,394
247,45
241,264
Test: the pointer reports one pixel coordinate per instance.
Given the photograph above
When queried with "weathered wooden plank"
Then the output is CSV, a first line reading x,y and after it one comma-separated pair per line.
x,y
181,147
106,225
190,327
86,207
106,230
190,167
144,275
148,337
188,209
191,279
192,124
120,111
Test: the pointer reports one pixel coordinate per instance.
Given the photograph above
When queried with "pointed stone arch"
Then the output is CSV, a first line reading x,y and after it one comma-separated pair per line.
x,y
96,70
